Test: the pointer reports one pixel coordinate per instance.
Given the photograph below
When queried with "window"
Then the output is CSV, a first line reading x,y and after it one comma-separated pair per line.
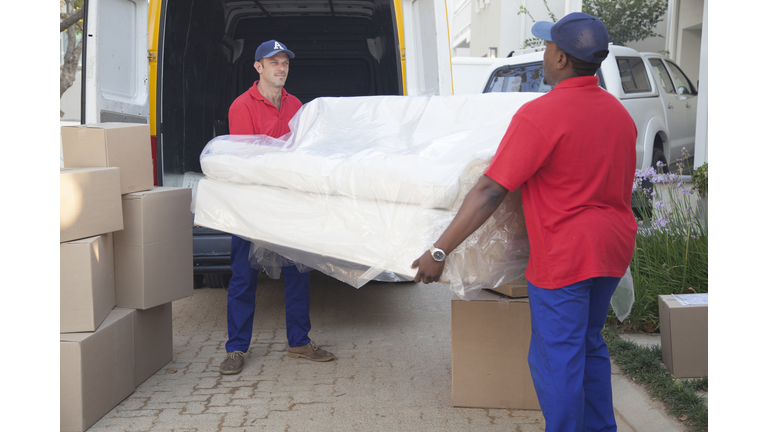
x,y
633,76
683,85
662,75
524,78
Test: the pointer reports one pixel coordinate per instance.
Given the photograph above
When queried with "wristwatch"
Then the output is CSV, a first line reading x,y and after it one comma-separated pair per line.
x,y
437,254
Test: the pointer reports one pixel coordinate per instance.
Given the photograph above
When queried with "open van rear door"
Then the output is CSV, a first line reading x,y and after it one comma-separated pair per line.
x,y
116,76
427,48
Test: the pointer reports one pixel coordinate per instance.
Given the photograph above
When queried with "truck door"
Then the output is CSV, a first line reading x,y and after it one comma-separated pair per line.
x,y
427,48
677,107
116,75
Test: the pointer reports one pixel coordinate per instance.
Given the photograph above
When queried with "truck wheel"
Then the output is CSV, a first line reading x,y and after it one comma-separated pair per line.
x,y
217,280
198,280
658,155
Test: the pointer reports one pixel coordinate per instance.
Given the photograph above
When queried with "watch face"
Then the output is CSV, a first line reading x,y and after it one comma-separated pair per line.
x,y
438,255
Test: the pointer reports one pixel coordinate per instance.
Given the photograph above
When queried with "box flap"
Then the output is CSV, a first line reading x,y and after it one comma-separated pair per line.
x,y
486,295
114,316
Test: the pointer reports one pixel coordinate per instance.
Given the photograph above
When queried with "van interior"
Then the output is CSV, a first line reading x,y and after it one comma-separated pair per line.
x,y
206,56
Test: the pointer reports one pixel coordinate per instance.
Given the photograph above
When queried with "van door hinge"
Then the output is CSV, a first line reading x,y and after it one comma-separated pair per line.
x,y
152,55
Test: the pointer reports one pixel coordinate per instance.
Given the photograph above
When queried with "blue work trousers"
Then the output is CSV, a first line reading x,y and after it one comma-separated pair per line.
x,y
241,300
568,358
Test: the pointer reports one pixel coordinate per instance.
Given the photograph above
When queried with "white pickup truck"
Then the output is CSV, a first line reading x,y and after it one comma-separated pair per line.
x,y
658,95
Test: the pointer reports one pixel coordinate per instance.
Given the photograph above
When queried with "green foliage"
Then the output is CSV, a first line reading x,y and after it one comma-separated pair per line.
x,y
643,365
627,20
534,41
699,178
671,249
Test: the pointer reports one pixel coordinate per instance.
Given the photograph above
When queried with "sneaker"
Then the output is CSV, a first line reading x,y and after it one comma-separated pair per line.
x,y
310,351
233,364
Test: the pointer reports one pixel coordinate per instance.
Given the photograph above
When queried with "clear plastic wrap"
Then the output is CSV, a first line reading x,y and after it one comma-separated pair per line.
x,y
624,296
362,186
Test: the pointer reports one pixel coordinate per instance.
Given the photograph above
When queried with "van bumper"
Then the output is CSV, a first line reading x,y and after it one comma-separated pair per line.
x,y
210,251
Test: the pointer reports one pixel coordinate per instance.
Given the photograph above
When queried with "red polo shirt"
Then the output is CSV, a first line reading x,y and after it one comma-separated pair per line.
x,y
252,114
572,154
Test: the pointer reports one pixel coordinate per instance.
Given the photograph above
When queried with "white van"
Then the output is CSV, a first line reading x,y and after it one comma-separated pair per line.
x,y
179,64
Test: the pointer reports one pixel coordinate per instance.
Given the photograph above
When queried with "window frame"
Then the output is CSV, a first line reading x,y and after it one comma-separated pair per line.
x,y
634,91
694,91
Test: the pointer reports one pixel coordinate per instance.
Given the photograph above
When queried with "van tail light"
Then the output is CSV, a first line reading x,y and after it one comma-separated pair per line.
x,y
153,141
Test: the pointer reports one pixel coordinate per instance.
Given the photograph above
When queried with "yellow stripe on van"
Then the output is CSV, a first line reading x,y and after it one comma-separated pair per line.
x,y
448,26
401,40
155,6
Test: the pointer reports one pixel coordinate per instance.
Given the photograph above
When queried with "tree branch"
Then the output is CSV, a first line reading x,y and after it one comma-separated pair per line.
x,y
71,20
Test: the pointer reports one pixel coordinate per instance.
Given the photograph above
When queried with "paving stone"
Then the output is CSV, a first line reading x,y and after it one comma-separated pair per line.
x,y
392,371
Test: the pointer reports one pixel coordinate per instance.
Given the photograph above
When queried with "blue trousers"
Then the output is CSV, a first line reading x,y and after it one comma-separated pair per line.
x,y
241,300
568,358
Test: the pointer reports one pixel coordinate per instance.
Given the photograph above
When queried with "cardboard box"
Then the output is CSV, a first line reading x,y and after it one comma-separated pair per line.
x,y
684,336
123,145
152,340
96,371
510,290
516,288
490,336
89,200
87,283
153,254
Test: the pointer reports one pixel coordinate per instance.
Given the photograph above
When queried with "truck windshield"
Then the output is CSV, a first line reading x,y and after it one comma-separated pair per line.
x,y
524,78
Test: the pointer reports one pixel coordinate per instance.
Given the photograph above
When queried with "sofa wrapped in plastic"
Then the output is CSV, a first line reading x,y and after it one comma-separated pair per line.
x,y
362,186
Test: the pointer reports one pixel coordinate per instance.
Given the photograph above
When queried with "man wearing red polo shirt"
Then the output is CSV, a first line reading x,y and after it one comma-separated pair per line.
x,y
265,109
572,154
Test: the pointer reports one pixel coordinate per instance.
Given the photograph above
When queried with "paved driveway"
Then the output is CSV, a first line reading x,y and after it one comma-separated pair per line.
x,y
392,372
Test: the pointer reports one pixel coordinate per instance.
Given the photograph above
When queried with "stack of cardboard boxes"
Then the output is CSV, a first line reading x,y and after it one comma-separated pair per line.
x,y
489,349
126,254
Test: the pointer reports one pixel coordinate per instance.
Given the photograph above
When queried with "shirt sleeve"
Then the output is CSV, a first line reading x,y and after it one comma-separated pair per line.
x,y
524,149
240,120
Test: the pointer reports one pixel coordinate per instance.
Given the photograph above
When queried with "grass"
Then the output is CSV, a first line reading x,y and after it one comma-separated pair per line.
x,y
671,249
643,365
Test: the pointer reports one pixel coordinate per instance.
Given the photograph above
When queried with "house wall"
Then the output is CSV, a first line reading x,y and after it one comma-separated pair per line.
x,y
688,52
498,24
486,20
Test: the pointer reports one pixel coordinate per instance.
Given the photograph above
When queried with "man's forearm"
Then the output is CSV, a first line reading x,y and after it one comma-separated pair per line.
x,y
480,203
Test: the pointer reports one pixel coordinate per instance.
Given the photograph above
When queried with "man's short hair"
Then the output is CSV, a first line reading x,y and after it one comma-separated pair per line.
x,y
581,67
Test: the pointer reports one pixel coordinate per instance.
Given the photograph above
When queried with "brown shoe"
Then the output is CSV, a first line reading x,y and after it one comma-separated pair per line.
x,y
233,364
310,351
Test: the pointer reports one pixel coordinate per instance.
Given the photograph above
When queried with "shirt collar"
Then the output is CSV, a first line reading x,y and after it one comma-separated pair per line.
x,y
582,81
254,91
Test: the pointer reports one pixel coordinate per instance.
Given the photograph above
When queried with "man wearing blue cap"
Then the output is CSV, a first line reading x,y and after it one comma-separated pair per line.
x,y
265,109
572,153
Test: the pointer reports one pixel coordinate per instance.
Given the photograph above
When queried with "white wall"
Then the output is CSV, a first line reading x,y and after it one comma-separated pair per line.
x,y
70,101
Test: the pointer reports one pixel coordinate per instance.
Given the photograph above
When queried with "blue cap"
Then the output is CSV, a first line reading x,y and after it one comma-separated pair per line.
x,y
580,35
270,48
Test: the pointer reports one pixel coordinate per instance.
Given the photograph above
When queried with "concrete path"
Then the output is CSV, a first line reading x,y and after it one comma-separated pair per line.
x,y
392,372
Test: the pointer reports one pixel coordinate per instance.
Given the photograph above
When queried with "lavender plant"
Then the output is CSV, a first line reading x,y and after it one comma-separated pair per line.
x,y
671,247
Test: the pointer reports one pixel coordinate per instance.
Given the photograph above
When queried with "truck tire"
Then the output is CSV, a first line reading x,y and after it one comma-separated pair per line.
x,y
658,155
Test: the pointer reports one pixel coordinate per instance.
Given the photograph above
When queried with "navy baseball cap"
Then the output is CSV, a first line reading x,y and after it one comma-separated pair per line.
x,y
580,35
270,48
